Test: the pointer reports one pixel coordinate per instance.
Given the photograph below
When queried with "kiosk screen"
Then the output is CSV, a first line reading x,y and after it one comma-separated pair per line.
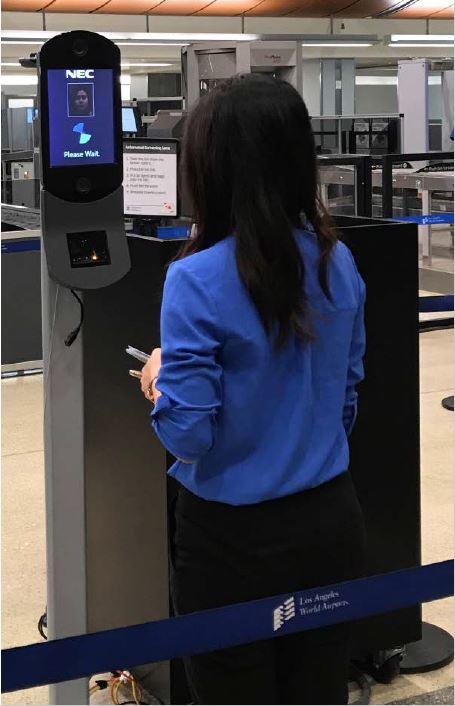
x,y
81,117
150,177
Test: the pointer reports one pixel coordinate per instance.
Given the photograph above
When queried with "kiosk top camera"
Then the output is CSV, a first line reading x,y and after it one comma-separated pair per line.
x,y
82,161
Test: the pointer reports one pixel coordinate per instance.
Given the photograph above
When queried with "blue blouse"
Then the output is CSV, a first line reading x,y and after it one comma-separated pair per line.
x,y
253,423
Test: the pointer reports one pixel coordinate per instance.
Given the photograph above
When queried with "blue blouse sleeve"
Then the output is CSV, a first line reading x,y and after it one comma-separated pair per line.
x,y
184,417
355,366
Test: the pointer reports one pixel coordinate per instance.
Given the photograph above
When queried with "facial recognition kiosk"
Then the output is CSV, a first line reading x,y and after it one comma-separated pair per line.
x,y
83,248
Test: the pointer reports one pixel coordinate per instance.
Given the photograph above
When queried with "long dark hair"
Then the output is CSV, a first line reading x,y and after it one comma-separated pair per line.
x,y
249,169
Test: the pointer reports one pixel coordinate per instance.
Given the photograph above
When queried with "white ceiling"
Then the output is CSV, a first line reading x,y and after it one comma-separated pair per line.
x,y
171,54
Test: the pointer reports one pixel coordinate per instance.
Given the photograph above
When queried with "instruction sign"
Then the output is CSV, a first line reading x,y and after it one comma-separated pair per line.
x,y
150,177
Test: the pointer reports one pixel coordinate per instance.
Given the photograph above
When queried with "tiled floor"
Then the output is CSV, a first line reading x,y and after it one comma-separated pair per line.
x,y
23,547
442,250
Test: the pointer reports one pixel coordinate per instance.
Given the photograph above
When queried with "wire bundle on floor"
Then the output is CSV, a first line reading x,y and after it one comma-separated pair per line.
x,y
124,678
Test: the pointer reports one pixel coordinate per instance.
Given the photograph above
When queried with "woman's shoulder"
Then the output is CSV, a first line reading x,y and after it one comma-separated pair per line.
x,y
341,254
209,264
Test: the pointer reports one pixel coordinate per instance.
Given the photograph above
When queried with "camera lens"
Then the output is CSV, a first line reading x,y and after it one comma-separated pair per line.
x,y
80,47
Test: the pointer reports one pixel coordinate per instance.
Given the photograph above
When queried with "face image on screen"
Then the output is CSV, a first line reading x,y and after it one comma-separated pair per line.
x,y
81,117
128,120
80,99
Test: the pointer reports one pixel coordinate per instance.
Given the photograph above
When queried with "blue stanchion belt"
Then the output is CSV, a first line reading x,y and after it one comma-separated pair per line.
x,y
173,232
84,655
431,219
13,246
442,302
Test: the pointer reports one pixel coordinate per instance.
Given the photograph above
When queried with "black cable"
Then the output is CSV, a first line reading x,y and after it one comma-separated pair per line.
x,y
101,684
69,340
42,623
363,683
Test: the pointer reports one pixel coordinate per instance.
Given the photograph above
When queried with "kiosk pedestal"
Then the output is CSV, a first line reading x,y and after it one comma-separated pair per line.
x,y
84,248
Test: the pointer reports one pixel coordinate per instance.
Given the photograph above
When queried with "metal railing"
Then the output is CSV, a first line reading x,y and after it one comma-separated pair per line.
x,y
389,160
361,178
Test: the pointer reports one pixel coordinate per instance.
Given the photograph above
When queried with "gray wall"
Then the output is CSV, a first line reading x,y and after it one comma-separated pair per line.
x,y
376,99
384,99
139,86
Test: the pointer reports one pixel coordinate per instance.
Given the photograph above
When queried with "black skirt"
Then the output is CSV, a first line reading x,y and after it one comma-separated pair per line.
x,y
222,554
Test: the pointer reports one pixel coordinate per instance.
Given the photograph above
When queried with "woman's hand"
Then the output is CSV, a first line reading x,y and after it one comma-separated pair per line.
x,y
149,373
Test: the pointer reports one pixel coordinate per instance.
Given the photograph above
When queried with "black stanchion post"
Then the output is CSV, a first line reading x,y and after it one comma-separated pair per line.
x,y
387,186
433,651
364,186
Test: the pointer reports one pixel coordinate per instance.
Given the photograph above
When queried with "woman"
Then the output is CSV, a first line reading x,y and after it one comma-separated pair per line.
x,y
262,344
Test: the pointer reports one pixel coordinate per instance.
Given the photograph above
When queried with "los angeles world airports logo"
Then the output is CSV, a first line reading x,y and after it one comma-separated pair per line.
x,y
84,137
284,612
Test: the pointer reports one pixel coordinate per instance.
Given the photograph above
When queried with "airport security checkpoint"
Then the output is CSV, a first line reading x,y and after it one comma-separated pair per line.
x,y
93,213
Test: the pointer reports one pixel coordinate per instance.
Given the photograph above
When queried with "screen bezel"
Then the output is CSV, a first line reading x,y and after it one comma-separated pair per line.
x,y
172,140
58,53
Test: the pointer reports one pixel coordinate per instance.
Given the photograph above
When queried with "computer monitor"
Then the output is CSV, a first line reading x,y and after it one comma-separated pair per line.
x,y
129,123
31,113
150,177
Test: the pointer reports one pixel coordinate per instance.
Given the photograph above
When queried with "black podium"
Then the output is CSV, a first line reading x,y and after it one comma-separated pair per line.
x,y
385,444
127,492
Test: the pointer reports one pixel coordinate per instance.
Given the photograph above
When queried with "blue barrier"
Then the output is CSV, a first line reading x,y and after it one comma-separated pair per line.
x,y
443,302
173,232
428,220
84,655
11,246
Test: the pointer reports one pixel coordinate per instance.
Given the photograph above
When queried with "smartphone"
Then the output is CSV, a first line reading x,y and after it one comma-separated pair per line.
x,y
139,355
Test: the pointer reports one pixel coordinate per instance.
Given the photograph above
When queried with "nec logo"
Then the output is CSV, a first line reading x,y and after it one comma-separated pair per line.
x,y
80,73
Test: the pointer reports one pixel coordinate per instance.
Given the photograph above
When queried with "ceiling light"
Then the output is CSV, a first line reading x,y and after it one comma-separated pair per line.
x,y
19,79
337,40
421,38
152,44
337,44
12,41
153,63
10,63
27,34
376,80
390,80
180,36
426,45
147,37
